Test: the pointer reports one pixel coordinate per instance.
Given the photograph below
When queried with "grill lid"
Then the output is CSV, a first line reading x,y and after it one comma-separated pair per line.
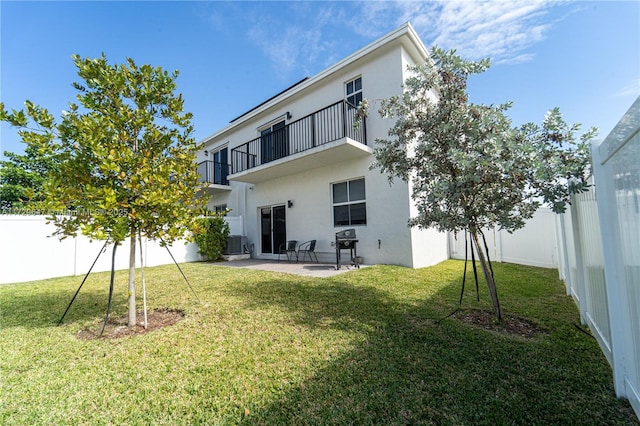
x,y
347,234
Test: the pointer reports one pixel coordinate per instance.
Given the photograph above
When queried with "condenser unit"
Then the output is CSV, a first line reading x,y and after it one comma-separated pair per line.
x,y
235,244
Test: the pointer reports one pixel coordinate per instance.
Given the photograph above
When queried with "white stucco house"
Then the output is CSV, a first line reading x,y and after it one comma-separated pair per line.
x,y
294,168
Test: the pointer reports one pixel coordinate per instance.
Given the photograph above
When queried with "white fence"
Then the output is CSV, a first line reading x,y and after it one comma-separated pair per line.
x,y
236,225
600,253
28,253
534,245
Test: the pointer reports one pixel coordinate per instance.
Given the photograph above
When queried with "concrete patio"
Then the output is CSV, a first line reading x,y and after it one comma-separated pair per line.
x,y
320,270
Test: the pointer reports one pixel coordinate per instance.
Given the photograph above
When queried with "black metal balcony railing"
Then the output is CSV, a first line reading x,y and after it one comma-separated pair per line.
x,y
213,172
321,127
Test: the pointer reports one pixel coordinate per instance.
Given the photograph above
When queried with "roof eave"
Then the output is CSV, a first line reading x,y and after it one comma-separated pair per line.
x,y
405,29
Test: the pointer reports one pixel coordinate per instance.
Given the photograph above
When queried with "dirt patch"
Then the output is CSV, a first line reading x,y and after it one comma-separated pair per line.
x,y
117,327
510,324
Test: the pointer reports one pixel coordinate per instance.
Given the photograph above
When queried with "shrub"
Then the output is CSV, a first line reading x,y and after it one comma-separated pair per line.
x,y
211,236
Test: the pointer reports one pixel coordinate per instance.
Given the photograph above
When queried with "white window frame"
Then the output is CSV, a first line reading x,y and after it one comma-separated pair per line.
x,y
349,202
269,125
354,92
220,208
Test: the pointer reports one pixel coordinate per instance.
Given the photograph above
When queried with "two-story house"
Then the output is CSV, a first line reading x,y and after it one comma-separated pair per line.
x,y
295,168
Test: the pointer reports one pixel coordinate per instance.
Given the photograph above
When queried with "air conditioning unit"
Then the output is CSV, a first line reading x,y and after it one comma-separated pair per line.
x,y
235,244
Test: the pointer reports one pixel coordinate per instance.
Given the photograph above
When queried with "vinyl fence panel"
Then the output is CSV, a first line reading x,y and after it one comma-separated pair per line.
x,y
599,252
616,164
533,245
28,252
591,277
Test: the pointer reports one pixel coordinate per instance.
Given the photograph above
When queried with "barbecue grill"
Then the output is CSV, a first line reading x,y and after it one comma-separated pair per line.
x,y
346,240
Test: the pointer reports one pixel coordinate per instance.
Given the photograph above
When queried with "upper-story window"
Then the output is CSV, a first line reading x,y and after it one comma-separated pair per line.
x,y
354,91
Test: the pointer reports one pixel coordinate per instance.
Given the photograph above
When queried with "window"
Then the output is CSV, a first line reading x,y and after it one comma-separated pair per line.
x,y
354,91
349,206
221,208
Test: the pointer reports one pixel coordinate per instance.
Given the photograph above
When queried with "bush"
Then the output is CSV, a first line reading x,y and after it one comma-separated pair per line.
x,y
211,236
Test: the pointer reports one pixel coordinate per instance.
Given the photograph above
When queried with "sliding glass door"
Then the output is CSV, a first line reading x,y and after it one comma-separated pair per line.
x,y
273,223
275,142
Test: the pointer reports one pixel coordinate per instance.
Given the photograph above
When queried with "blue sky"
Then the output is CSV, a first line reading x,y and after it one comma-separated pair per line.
x,y
583,57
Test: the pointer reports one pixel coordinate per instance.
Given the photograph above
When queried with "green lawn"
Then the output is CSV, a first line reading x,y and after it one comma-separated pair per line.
x,y
267,348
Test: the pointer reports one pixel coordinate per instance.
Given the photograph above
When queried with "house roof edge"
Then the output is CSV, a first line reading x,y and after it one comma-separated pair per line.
x,y
405,29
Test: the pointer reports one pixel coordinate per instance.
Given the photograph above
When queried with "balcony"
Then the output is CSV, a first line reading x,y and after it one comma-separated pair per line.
x,y
215,174
325,137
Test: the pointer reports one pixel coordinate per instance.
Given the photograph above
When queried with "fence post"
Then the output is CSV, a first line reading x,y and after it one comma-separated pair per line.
x,y
577,242
563,255
497,243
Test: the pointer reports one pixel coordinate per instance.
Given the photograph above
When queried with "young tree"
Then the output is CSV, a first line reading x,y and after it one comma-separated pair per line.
x,y
22,177
468,167
125,157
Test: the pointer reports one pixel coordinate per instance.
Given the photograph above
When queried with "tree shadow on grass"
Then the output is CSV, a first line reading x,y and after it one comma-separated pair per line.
x,y
41,304
36,307
410,370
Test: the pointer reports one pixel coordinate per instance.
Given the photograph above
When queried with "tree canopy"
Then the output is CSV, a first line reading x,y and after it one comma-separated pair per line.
x,y
22,177
468,167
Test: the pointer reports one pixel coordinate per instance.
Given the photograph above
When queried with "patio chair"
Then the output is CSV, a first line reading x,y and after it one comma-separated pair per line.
x,y
288,249
308,247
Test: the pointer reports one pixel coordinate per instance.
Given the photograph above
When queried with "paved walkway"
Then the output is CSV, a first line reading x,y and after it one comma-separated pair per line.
x,y
307,269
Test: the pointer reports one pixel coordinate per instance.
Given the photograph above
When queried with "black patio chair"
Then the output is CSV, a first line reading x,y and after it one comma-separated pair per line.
x,y
308,247
288,249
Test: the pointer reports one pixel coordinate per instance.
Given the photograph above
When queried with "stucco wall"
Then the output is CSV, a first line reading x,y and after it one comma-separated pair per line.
x,y
385,238
311,216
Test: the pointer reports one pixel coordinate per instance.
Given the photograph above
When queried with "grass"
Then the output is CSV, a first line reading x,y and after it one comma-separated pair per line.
x,y
268,348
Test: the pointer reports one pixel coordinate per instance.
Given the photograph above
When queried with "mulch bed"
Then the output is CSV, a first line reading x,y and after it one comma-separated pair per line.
x,y
163,317
117,327
510,324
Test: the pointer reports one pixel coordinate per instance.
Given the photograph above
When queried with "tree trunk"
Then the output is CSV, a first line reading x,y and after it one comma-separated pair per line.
x,y
491,285
144,285
132,281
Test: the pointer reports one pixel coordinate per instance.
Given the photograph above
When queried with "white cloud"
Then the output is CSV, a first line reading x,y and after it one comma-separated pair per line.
x,y
301,46
502,30
303,37
293,48
631,89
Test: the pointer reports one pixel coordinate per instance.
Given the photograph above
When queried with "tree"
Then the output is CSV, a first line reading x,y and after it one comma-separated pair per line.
x,y
468,167
22,177
125,157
